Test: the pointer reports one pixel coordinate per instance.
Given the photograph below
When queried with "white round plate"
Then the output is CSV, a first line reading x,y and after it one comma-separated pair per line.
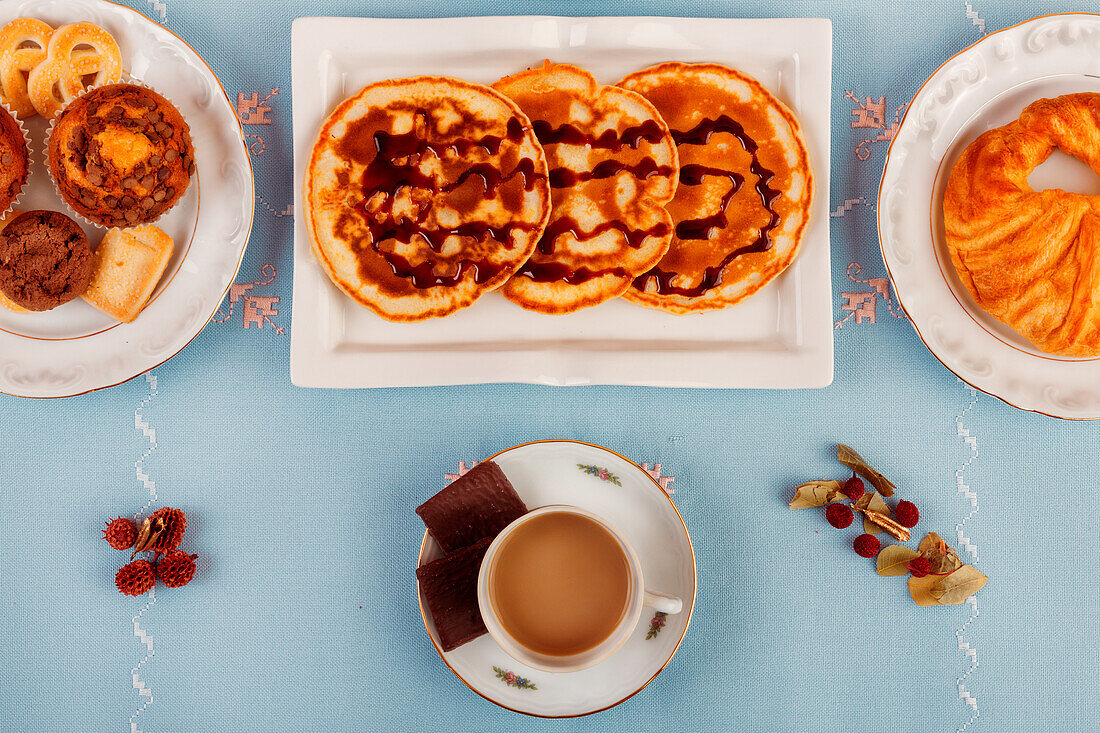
x,y
985,86
605,483
75,348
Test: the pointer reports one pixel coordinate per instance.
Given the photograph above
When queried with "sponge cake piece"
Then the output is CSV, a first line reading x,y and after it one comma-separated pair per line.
x,y
126,268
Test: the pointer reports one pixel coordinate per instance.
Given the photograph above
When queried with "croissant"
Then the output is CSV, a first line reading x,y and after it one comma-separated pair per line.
x,y
1031,258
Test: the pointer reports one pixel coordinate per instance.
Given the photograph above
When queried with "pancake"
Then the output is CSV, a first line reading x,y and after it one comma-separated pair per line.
x,y
612,169
422,194
745,191
1029,258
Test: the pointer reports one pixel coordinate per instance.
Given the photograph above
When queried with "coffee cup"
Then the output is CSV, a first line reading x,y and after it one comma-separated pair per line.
x,y
560,589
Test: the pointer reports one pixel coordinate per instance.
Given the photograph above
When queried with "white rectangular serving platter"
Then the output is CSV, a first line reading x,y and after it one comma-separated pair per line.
x,y
781,337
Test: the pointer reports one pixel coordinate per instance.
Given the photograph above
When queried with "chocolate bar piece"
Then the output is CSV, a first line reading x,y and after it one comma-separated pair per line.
x,y
449,585
477,505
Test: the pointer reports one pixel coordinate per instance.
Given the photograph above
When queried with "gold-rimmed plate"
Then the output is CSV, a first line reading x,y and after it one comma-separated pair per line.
x,y
75,348
984,86
606,483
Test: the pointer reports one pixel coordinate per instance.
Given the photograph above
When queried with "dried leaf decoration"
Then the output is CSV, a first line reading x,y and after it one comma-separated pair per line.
x,y
854,461
816,493
949,582
874,503
921,590
940,578
941,556
894,560
931,541
956,587
148,535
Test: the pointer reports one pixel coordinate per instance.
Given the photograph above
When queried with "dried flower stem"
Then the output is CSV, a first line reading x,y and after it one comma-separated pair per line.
x,y
895,530
148,535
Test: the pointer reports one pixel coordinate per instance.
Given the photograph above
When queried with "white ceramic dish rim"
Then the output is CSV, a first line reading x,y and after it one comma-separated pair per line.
x,y
55,368
687,611
560,360
951,333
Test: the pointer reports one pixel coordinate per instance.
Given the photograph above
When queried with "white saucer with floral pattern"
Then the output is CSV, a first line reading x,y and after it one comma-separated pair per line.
x,y
631,499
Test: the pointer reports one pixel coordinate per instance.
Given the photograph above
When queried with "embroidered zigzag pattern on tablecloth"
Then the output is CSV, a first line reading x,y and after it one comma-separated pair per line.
x,y
147,639
256,310
974,18
252,110
150,433
861,307
965,542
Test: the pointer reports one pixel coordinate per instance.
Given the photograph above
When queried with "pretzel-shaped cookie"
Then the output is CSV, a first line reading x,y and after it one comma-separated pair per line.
x,y
60,78
16,59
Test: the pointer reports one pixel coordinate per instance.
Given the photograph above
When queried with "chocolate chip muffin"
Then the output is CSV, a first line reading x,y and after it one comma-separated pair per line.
x,y
121,155
45,260
14,159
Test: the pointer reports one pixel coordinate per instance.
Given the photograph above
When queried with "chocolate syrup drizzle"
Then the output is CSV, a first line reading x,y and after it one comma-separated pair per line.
x,y
692,175
384,176
634,237
650,132
643,169
547,272
551,271
491,176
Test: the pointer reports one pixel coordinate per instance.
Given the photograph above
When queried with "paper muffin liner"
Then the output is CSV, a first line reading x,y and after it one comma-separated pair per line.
x,y
129,80
30,160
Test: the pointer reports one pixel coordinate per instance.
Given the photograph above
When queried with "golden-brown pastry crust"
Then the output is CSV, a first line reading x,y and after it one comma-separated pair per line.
x,y
121,155
76,53
1031,258
14,160
126,267
23,44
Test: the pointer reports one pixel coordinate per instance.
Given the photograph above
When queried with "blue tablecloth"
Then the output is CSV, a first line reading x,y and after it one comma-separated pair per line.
x,y
303,616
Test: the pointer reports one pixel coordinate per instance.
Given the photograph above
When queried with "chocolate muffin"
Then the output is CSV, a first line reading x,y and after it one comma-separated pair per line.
x,y
15,160
45,260
121,155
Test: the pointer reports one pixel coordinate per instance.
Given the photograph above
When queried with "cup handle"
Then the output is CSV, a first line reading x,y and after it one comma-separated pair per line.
x,y
662,602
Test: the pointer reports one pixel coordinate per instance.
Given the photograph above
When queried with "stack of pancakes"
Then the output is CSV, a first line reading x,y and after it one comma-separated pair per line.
x,y
684,187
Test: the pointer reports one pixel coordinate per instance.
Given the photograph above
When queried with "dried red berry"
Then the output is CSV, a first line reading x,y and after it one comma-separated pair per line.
x,y
135,579
867,545
177,568
853,488
120,533
175,523
907,514
919,566
839,515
